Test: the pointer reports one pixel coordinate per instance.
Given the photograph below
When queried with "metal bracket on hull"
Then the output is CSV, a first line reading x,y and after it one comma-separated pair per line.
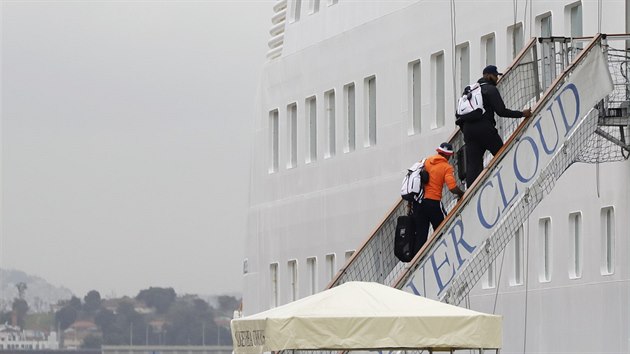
x,y
614,140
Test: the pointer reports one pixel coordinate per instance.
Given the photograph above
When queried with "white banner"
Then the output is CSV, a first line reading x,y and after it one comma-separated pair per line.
x,y
519,167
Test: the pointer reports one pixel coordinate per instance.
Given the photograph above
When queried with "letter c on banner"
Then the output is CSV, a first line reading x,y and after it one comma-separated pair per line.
x,y
482,219
519,176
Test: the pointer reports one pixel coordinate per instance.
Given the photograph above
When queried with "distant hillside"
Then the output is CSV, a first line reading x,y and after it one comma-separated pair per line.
x,y
39,293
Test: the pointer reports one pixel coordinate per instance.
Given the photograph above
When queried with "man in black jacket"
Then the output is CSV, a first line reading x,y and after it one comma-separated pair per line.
x,y
482,135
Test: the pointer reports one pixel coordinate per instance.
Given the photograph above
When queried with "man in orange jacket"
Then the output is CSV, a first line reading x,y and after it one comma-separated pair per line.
x,y
429,209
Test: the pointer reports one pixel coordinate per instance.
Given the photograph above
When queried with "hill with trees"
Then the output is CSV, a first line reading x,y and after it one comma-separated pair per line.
x,y
155,316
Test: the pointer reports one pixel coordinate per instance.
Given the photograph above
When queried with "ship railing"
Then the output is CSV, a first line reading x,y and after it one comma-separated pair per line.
x,y
611,139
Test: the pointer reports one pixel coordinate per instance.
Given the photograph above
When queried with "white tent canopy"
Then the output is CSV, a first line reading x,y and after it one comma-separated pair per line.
x,y
360,315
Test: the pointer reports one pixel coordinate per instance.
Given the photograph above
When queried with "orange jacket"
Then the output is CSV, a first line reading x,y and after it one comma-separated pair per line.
x,y
440,172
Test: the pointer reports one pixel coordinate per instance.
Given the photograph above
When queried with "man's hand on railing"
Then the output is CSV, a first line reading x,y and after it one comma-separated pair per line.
x,y
527,113
458,192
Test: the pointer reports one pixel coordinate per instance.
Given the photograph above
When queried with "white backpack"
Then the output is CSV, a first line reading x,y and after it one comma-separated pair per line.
x,y
412,188
470,102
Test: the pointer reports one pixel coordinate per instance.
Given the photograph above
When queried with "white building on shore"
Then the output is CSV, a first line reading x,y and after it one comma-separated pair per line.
x,y
12,337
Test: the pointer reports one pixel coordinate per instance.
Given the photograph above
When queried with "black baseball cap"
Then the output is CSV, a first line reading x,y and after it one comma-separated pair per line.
x,y
491,69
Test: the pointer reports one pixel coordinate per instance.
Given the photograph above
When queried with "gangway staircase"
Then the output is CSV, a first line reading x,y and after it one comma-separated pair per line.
x,y
579,91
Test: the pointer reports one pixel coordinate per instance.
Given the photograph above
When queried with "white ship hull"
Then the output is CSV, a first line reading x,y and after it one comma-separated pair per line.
x,y
312,204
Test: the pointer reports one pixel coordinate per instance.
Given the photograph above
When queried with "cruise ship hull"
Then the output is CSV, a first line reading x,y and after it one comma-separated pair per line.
x,y
354,93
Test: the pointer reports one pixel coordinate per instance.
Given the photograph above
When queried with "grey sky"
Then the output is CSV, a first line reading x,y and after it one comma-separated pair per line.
x,y
125,153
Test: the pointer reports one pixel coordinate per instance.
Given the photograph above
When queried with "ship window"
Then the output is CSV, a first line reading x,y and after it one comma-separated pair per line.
x,y
370,85
311,263
544,22
490,51
295,10
292,131
519,255
273,140
273,274
330,266
350,131
348,254
515,33
439,99
311,127
415,100
332,2
489,280
313,6
574,14
608,241
575,245
544,227
293,279
463,63
329,100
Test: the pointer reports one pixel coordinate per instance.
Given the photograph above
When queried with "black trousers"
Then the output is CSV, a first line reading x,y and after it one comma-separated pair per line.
x,y
429,211
479,137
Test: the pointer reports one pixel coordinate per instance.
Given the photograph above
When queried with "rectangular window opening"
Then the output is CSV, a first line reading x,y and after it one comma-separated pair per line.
x,y
350,113
273,138
348,254
331,267
293,279
415,96
607,217
292,131
329,100
519,256
515,33
296,10
545,25
548,59
311,263
314,6
573,22
311,126
370,85
489,281
273,273
463,66
575,245
439,98
544,226
490,50
576,20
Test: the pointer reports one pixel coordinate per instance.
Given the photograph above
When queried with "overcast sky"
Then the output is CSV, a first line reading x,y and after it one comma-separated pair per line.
x,y
125,141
